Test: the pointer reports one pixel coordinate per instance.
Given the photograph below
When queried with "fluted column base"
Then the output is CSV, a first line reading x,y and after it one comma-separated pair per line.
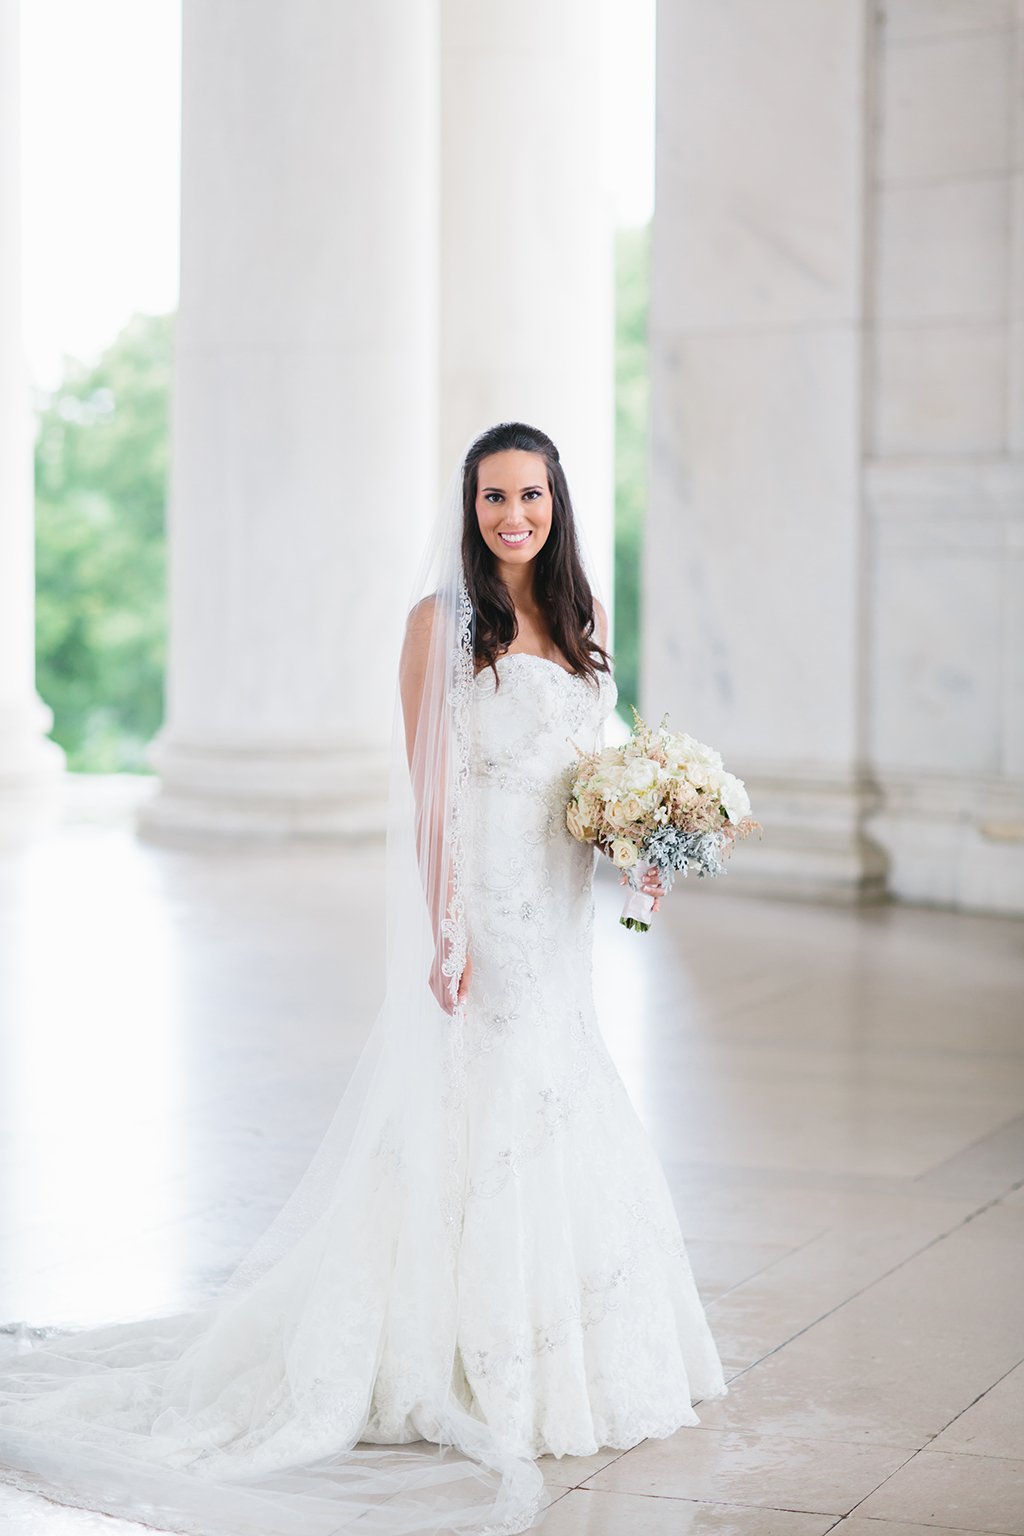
x,y
262,792
31,769
815,845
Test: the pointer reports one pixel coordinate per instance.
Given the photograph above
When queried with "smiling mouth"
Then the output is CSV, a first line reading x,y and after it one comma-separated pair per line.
x,y
513,540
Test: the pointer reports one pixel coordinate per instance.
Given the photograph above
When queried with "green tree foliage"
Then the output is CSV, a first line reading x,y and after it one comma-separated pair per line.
x,y
101,475
632,251
101,472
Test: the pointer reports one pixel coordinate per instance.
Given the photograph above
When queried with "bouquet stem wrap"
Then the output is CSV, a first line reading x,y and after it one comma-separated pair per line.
x,y
638,909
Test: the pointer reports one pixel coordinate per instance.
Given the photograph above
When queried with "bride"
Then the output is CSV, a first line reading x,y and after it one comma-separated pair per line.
x,y
482,1263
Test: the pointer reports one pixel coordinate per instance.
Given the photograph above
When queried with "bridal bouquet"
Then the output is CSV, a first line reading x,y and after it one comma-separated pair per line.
x,y
663,800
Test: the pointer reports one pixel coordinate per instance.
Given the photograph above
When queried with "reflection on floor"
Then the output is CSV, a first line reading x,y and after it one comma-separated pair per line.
x,y
837,1097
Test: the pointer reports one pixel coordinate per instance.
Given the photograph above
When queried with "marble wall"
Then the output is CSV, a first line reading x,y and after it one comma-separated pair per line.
x,y
833,559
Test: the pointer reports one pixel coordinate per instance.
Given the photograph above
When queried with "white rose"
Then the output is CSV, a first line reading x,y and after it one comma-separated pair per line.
x,y
734,797
641,775
708,756
609,785
683,749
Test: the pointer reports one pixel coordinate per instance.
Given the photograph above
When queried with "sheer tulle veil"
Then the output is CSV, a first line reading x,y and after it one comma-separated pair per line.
x,y
255,1413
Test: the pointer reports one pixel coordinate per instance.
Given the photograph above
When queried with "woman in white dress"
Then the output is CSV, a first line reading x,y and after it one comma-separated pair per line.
x,y
482,1263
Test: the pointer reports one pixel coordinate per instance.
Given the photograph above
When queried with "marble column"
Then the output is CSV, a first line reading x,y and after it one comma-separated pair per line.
x,y
755,559
527,302
30,765
304,464
944,476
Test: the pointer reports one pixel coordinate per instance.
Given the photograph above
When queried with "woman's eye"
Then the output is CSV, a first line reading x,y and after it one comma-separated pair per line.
x,y
490,495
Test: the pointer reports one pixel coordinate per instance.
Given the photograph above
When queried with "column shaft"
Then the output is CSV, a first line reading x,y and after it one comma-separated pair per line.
x,y
304,443
527,301
30,765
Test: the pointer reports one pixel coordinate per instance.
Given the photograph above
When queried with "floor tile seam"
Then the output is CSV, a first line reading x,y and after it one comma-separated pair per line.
x,y
682,1498
886,1274
940,1237
971,1145
931,1449
883,1520
782,1258
616,1458
886,1479
1008,1372
784,1434
982,1210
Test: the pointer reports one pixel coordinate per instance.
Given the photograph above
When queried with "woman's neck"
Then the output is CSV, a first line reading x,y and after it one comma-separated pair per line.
x,y
518,581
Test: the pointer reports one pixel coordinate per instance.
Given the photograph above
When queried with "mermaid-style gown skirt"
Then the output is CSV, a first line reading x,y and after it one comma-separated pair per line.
x,y
546,1305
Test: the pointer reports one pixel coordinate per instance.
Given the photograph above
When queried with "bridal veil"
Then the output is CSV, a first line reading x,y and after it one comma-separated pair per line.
x,y
258,1412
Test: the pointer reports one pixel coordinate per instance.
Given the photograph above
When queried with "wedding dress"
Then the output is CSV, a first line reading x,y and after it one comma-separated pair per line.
x,y
483,1263
581,1324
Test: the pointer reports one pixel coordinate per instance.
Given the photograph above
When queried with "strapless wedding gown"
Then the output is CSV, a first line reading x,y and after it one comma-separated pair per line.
x,y
581,1323
577,1324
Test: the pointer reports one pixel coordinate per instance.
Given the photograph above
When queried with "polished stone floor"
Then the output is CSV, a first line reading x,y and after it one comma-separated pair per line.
x,y
837,1096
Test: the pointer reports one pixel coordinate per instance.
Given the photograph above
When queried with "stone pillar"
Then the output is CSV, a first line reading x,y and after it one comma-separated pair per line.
x,y
527,316
945,441
30,765
304,466
755,591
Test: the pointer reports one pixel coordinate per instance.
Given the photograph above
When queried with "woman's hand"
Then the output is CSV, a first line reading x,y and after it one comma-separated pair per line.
x,y
651,885
439,981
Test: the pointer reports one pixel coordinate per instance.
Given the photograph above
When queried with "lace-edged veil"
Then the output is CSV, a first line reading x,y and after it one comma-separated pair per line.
x,y
223,1420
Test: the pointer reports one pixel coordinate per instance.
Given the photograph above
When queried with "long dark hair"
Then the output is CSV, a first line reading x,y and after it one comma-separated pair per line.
x,y
560,583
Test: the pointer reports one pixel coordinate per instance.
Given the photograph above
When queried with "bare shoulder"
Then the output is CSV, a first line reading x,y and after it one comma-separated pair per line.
x,y
421,614
419,623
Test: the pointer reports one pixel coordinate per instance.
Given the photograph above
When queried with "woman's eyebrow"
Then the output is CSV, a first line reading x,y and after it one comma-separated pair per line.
x,y
501,488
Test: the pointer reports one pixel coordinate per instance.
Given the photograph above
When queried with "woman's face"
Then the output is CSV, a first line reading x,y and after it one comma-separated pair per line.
x,y
513,504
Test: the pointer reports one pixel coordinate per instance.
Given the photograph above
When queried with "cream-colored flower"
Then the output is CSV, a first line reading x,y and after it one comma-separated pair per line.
x,y
624,853
575,823
615,815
